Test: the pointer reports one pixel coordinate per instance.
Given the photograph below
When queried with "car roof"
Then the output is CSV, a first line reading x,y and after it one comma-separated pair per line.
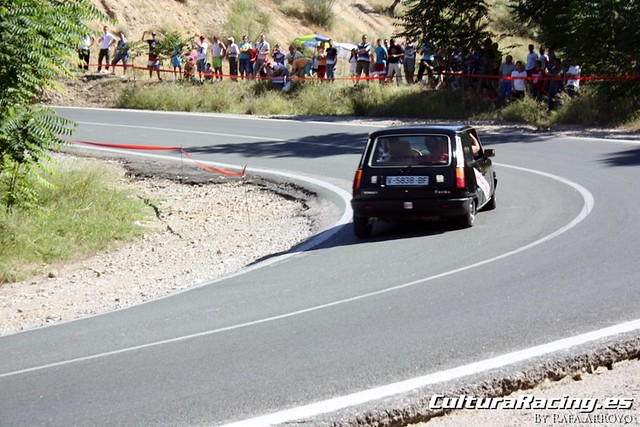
x,y
393,130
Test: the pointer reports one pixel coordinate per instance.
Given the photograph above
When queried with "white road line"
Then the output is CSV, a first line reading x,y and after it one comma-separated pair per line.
x,y
335,404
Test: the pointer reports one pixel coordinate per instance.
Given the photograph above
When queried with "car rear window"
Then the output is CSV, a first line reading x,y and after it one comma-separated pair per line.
x,y
404,150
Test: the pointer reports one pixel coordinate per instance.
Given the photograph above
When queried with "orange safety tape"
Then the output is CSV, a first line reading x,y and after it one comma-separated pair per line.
x,y
202,165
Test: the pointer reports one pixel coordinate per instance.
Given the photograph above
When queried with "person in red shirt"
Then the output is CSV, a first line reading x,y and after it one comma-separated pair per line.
x,y
537,76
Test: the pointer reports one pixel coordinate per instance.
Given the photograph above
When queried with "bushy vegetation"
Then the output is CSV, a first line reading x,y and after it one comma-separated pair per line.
x,y
306,98
35,40
80,212
342,98
246,18
319,12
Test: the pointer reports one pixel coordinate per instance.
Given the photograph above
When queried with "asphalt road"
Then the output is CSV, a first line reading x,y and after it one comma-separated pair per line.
x,y
556,259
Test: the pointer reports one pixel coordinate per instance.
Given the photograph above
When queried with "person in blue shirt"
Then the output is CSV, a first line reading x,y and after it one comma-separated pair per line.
x,y
364,57
380,67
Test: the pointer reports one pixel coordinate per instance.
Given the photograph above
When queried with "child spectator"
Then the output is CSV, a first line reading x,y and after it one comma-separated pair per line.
x,y
519,76
353,63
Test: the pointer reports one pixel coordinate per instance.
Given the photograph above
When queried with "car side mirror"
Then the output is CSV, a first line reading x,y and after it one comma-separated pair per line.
x,y
489,152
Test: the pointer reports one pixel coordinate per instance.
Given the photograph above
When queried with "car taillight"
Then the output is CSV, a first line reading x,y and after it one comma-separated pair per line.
x,y
460,181
356,179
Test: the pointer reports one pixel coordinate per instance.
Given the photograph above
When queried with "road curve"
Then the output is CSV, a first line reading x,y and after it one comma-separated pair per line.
x,y
557,259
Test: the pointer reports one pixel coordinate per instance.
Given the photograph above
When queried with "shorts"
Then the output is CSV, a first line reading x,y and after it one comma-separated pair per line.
x,y
200,65
153,62
216,62
175,62
379,67
121,57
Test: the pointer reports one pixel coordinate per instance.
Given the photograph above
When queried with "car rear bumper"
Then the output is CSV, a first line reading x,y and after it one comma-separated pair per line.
x,y
411,208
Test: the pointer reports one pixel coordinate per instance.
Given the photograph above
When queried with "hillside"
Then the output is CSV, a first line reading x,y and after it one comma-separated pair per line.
x,y
284,18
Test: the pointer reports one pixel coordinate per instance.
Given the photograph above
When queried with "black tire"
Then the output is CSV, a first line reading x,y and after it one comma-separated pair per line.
x,y
362,226
467,220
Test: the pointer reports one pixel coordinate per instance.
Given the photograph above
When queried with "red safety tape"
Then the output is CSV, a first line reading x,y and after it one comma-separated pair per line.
x,y
194,73
202,165
128,146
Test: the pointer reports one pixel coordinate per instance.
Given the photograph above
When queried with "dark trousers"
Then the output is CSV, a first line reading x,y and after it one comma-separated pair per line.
x,y
83,56
104,54
233,67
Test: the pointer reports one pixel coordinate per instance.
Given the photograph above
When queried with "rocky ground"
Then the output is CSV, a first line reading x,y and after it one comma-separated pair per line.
x,y
205,228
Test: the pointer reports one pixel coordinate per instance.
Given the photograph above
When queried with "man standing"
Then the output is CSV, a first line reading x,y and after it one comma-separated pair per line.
x,y
532,57
364,58
554,74
409,59
232,55
84,53
201,59
122,54
262,51
380,66
218,51
106,40
506,83
332,60
245,58
396,53
153,62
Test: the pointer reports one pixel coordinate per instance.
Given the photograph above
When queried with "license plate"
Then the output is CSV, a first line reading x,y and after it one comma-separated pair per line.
x,y
407,180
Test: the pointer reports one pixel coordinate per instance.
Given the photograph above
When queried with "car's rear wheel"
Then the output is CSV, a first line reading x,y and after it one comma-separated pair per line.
x,y
467,220
491,204
362,226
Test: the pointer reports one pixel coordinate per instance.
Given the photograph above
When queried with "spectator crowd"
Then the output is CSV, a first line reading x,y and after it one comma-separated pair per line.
x,y
540,75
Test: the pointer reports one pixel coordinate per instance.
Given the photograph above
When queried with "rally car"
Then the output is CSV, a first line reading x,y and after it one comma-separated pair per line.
x,y
422,172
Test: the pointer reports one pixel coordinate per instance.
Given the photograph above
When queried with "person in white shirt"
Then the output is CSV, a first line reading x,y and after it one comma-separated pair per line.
x,y
573,78
84,52
262,51
201,58
409,59
532,57
233,52
519,76
106,40
218,51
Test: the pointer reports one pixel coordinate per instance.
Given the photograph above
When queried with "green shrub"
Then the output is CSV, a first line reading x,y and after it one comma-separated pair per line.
x,y
526,110
82,212
319,12
246,18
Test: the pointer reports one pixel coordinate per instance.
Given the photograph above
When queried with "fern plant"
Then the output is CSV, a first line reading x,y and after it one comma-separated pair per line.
x,y
37,44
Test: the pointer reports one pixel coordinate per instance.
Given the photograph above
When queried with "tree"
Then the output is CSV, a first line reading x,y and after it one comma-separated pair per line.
x,y
602,36
37,41
447,24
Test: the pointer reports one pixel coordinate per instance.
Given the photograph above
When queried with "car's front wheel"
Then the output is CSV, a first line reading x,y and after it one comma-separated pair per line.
x,y
362,226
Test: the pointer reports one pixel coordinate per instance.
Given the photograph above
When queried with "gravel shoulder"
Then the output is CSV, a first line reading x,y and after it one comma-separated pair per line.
x,y
206,227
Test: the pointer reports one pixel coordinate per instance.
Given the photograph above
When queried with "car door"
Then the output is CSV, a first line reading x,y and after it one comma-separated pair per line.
x,y
482,167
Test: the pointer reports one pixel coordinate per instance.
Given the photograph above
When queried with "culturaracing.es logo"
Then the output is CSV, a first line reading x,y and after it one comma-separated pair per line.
x,y
530,402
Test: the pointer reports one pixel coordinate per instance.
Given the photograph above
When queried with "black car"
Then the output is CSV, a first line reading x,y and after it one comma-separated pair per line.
x,y
422,172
